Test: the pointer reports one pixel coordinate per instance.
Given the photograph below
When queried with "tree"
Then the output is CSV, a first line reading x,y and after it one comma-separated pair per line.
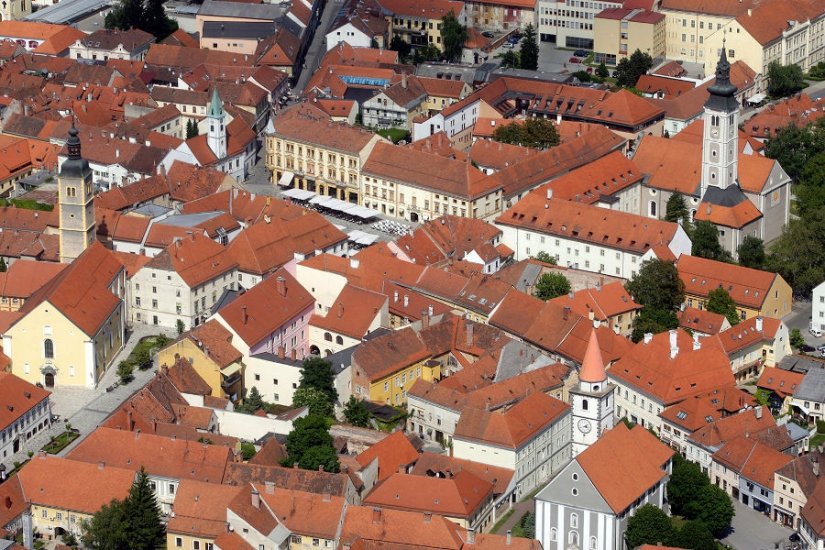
x,y
191,129
356,413
146,530
510,59
128,14
3,267
125,371
108,528
399,45
696,536
601,70
453,36
529,50
631,68
157,22
810,193
180,326
796,338
552,285
253,402
657,286
784,80
797,253
545,257
309,445
317,401
713,508
649,525
751,252
539,133
684,485
248,450
706,244
719,301
426,53
792,146
676,210
317,373
654,321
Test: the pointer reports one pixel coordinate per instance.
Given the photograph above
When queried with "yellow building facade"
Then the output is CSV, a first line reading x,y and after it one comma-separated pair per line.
x,y
393,389
777,304
225,382
619,32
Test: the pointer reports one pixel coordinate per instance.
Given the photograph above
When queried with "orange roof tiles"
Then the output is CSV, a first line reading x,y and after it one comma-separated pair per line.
x,y
751,422
748,287
73,485
603,302
605,176
14,502
392,452
19,397
799,110
743,335
25,277
307,514
737,216
630,450
649,368
216,342
700,410
514,427
752,460
701,320
260,311
391,529
593,365
768,20
461,496
307,124
196,258
353,312
200,508
667,87
429,9
782,382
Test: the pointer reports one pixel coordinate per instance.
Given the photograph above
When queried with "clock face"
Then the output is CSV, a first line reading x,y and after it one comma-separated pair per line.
x,y
584,426
714,132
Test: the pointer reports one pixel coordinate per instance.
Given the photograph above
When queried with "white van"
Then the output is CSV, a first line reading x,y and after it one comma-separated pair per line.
x,y
816,331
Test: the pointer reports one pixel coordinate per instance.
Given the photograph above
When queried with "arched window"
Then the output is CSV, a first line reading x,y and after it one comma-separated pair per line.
x,y
553,534
328,337
593,543
584,405
652,209
573,538
339,340
48,348
574,520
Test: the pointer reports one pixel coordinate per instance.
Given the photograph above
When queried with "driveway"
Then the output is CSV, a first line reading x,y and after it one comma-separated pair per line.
x,y
319,44
754,531
800,317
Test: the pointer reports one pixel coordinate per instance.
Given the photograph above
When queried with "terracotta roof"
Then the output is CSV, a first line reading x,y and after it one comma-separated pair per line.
x,y
605,301
216,341
353,312
262,310
751,422
25,277
701,320
515,426
167,55
289,478
392,453
498,156
610,228
752,460
196,258
512,390
429,9
419,169
307,124
73,485
736,216
603,177
19,397
307,514
186,380
389,529
14,502
109,39
200,508
271,453
799,110
81,291
700,410
743,335
449,238
768,19
635,450
813,512
748,287
782,382
461,496
669,87
161,456
650,369
708,7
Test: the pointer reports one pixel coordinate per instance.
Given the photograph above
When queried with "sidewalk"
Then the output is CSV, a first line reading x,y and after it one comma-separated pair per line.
x,y
519,509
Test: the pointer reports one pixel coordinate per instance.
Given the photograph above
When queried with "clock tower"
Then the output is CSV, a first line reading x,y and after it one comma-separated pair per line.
x,y
720,143
592,401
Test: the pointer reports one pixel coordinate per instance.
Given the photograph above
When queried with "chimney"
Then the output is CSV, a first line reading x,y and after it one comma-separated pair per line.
x,y
281,351
696,343
256,498
244,315
468,333
428,517
757,411
376,515
269,487
406,300
320,467
404,80
340,310
558,119
327,497
471,536
395,296
759,323
566,313
117,153
425,320
549,192
354,263
293,354
101,465
674,345
648,337
815,466
430,310
591,315
509,537
280,283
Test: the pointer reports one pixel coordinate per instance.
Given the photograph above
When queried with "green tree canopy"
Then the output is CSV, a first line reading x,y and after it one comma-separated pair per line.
x,y
796,339
543,256
784,80
309,445
649,525
631,68
601,70
317,373
538,133
713,507
552,285
676,210
529,49
317,401
253,402
654,321
510,60
399,45
453,36
108,528
810,193
706,243
797,254
146,530
751,252
356,413
133,14
695,535
684,485
719,301
657,286
792,146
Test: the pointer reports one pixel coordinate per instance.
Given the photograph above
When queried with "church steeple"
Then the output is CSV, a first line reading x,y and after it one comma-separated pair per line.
x,y
75,201
592,400
720,146
723,91
592,370
216,134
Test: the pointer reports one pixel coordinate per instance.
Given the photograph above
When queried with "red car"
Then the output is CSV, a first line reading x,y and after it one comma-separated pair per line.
x,y
574,60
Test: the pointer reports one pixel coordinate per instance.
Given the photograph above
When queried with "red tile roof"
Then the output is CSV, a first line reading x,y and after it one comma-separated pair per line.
x,y
701,320
216,341
752,460
200,508
353,312
782,382
748,287
700,410
438,465
25,277
376,528
755,423
392,452
635,450
604,302
18,397
196,258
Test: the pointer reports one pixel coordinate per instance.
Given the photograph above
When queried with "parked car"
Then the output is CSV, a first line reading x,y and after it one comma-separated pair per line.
x,y
574,60
807,349
508,45
487,34
581,53
815,331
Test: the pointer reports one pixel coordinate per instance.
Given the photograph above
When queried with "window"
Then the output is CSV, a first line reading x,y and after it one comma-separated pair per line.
x,y
553,534
171,488
178,542
574,520
584,405
573,538
196,545
593,543
48,348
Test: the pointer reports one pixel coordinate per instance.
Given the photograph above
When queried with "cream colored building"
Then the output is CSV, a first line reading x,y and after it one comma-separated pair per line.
x,y
419,23
305,149
620,31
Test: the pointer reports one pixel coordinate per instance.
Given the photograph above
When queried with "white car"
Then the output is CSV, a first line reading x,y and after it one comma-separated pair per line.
x,y
815,331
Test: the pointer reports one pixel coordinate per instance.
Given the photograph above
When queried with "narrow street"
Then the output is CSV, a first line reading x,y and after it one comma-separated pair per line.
x,y
318,47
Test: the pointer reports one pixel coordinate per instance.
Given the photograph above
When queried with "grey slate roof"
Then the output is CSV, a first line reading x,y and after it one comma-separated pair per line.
x,y
218,8
68,12
812,387
244,30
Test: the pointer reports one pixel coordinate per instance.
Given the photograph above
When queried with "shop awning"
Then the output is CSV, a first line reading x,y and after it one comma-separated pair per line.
x,y
286,179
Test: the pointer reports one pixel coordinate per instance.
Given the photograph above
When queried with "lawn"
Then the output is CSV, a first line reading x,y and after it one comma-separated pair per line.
x,y
141,356
394,134
817,440
500,523
60,442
